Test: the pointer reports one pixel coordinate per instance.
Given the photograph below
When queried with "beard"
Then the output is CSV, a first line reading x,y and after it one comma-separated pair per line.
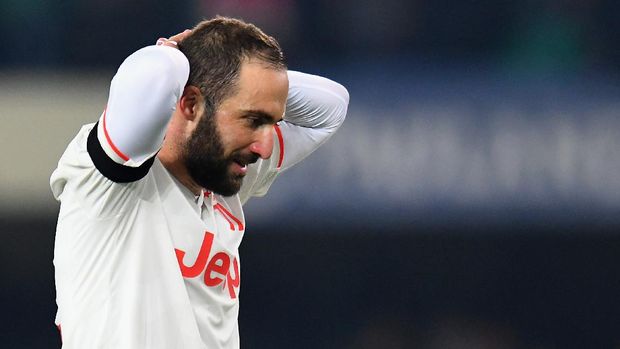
x,y
207,163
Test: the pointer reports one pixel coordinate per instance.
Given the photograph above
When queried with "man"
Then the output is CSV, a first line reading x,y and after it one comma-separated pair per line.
x,y
151,217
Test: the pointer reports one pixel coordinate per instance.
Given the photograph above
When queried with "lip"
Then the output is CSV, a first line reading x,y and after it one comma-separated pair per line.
x,y
237,167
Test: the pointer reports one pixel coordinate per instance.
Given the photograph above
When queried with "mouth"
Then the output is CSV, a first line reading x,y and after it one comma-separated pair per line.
x,y
240,164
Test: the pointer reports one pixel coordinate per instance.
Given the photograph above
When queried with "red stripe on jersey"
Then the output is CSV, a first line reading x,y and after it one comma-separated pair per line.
x,y
225,212
232,217
221,209
281,141
107,137
59,332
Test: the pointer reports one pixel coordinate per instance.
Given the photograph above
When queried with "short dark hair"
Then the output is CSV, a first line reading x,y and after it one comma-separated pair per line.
x,y
216,48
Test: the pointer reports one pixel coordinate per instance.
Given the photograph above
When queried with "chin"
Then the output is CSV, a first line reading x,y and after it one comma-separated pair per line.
x,y
227,188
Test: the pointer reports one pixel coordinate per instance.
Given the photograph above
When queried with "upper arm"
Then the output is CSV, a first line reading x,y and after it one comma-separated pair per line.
x,y
143,96
82,186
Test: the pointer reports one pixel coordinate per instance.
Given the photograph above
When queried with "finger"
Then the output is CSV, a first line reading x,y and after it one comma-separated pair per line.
x,y
166,42
180,36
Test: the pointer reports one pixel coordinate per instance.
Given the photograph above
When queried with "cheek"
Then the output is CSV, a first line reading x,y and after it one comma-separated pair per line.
x,y
233,142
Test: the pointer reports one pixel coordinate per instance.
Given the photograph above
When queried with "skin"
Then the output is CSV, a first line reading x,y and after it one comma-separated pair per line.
x,y
244,120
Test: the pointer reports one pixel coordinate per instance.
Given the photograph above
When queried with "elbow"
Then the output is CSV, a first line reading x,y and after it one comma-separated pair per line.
x,y
339,92
343,93
336,101
152,70
321,102
340,103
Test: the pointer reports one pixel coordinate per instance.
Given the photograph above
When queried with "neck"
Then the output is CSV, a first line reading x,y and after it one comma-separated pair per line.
x,y
175,166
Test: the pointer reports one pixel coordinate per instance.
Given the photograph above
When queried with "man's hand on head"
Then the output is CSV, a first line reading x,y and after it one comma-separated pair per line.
x,y
174,40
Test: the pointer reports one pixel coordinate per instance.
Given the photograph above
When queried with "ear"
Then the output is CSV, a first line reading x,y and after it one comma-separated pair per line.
x,y
191,102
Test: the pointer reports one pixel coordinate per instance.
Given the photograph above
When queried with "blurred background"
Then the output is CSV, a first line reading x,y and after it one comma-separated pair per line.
x,y
471,200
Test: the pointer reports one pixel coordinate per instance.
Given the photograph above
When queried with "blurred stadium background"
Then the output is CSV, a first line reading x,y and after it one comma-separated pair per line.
x,y
471,200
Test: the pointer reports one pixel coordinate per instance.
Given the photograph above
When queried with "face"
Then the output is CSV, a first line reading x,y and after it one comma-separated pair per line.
x,y
240,131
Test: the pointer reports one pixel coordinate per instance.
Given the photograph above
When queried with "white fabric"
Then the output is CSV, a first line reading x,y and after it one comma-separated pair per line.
x,y
122,249
118,283
143,95
315,109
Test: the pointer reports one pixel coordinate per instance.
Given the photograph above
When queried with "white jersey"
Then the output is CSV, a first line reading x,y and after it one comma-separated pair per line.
x,y
141,262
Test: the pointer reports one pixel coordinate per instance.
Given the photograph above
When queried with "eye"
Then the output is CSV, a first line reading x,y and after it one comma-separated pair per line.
x,y
255,122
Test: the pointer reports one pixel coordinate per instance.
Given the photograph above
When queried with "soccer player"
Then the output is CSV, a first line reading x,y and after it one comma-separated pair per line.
x,y
151,218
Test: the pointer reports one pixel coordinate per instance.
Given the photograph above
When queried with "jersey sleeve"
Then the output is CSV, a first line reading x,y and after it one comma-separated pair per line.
x,y
315,109
143,95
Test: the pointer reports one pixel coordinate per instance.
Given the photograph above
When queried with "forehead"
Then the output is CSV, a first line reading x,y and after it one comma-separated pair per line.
x,y
261,86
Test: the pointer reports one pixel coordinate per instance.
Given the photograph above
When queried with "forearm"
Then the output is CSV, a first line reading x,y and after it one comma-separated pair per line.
x,y
143,96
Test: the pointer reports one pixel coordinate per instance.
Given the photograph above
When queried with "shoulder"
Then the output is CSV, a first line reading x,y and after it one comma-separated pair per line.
x,y
75,156
76,182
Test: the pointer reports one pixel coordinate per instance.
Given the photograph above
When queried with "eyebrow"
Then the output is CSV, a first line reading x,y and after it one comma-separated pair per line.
x,y
268,118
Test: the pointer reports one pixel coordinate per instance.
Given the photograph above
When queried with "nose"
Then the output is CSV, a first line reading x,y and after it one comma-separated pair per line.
x,y
263,143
